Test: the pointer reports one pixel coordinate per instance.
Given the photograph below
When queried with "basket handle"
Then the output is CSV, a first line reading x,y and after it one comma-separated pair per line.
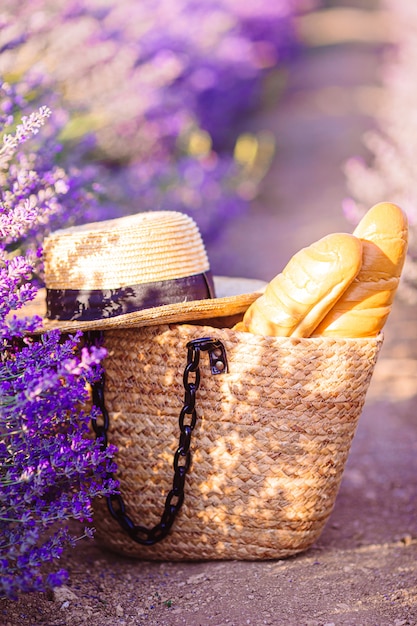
x,y
182,458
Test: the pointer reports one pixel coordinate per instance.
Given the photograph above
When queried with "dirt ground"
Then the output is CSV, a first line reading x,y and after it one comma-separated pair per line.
x,y
363,569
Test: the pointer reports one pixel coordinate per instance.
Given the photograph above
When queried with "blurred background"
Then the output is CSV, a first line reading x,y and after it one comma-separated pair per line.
x,y
270,123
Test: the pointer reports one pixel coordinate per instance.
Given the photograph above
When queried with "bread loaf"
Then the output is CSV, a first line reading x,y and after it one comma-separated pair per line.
x,y
364,307
296,300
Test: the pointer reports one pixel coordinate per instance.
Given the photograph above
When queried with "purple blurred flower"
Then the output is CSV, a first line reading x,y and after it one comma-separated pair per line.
x,y
206,188
143,76
391,171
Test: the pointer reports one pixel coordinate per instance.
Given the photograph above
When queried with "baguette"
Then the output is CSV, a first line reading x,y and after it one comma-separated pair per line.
x,y
298,298
364,307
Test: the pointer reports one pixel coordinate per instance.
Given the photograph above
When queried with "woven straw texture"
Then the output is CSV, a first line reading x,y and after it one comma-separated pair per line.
x,y
269,448
130,250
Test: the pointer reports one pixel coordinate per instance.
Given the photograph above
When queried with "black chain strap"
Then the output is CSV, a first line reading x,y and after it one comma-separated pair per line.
x,y
182,458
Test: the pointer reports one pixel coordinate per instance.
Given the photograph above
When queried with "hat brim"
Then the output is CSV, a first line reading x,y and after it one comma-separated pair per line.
x,y
234,296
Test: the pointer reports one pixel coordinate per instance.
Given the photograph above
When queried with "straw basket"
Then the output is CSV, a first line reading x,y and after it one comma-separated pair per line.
x,y
269,446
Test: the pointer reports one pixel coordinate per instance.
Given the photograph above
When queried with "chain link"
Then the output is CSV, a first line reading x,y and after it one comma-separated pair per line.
x,y
182,457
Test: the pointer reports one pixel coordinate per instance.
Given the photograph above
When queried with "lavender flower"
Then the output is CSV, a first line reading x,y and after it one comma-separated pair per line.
x,y
50,467
144,76
144,71
206,188
36,194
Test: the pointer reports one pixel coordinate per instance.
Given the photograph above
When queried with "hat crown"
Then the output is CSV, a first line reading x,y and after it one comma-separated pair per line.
x,y
132,250
139,270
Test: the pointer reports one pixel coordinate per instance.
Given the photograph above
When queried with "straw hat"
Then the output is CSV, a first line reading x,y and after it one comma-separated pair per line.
x,y
139,270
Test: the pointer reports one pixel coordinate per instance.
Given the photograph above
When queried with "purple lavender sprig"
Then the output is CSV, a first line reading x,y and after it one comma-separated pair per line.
x,y
36,193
